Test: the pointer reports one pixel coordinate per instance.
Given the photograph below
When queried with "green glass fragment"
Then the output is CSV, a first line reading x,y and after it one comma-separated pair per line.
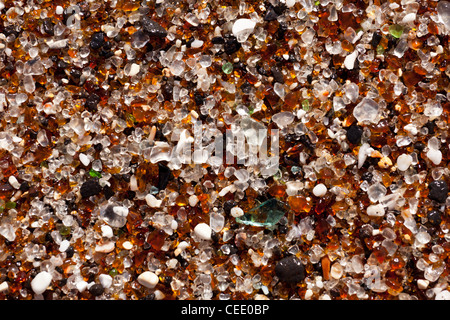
x,y
64,231
227,67
305,105
95,174
396,30
10,205
380,49
113,272
267,214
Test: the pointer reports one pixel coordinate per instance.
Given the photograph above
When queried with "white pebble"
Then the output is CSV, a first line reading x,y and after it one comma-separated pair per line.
x,y
64,245
59,10
443,295
410,17
159,295
193,200
4,286
236,212
183,245
41,282
242,28
435,156
148,279
105,247
349,61
105,280
403,162
84,159
134,69
152,201
203,231
127,245
309,293
133,183
422,284
13,182
196,43
81,285
376,210
320,190
107,231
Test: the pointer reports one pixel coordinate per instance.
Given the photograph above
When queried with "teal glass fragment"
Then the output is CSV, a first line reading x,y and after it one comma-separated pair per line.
x,y
267,214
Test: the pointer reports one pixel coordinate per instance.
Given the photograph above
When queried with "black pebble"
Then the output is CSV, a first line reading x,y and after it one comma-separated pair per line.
x,y
277,75
354,134
438,190
92,102
271,15
97,40
434,217
69,252
419,146
153,28
367,176
290,269
228,205
96,289
376,38
231,45
217,40
90,188
24,186
47,26
98,147
108,192
198,98
163,176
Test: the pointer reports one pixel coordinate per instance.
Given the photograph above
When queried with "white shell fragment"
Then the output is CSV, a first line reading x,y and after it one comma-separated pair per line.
x,y
242,28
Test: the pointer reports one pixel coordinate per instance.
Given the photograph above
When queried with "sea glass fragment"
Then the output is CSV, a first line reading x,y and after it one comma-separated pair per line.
x,y
267,214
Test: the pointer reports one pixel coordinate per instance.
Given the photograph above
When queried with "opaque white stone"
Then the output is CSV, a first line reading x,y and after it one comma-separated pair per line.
x,y
443,295
13,182
403,162
134,70
435,156
236,212
105,280
422,284
193,200
64,245
376,210
148,279
41,282
107,232
203,231
105,247
243,26
127,245
152,201
349,61
59,10
81,285
84,159
196,44
4,286
320,190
